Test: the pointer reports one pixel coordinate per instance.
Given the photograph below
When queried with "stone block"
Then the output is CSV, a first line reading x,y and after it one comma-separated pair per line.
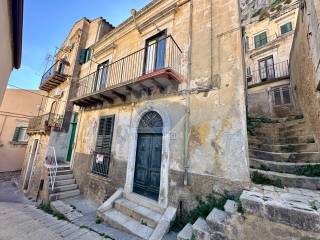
x,y
201,230
107,205
216,220
231,207
185,233
252,202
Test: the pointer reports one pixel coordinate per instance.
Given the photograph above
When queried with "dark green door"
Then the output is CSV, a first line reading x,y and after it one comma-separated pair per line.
x,y
148,165
73,126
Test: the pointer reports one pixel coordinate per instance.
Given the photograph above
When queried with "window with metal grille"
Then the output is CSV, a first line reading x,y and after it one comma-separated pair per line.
x,y
102,154
281,95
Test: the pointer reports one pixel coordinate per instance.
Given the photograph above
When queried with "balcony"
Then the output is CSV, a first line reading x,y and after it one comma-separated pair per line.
x,y
268,73
155,67
44,123
54,76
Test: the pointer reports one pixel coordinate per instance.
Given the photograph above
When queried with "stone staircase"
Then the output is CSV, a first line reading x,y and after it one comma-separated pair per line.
x,y
284,153
65,184
136,216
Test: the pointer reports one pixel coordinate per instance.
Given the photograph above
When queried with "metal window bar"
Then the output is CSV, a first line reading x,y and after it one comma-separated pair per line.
x,y
101,167
131,67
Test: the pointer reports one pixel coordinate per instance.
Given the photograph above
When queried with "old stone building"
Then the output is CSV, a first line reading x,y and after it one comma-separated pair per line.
x,y
52,132
268,32
162,112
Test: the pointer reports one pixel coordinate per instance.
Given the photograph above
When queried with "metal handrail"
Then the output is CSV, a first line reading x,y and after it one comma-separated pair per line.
x,y
275,71
59,67
131,67
51,164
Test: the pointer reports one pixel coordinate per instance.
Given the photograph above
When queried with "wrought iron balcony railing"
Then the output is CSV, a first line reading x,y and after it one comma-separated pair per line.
x,y
44,123
271,72
56,74
162,54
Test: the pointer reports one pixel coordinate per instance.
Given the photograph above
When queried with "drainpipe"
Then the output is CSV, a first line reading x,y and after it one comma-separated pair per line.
x,y
187,113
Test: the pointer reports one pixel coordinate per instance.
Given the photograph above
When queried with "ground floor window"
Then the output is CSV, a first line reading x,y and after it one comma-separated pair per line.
x,y
281,95
102,154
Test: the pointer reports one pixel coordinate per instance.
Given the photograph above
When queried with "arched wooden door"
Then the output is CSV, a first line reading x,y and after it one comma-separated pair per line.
x,y
148,156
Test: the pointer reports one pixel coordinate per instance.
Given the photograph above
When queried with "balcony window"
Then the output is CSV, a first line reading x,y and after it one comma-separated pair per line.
x,y
260,40
286,28
101,76
266,69
155,53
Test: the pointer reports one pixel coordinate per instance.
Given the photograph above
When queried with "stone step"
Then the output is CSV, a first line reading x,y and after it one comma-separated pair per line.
x,y
285,140
63,167
285,148
64,182
308,157
217,220
284,167
64,177
288,206
64,172
185,233
290,180
142,214
118,220
65,188
63,195
295,133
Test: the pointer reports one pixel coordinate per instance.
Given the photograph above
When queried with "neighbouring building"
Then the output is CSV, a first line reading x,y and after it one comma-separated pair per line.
x,y
52,131
11,21
268,34
17,108
305,63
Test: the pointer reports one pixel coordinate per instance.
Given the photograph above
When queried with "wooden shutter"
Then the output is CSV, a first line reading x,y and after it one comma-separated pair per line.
x,y
16,134
105,132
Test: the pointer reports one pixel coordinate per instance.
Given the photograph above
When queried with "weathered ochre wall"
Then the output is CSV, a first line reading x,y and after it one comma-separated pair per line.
x,y
6,49
17,108
304,64
218,140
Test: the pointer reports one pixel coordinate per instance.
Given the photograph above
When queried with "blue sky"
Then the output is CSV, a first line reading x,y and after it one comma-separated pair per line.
x,y
47,23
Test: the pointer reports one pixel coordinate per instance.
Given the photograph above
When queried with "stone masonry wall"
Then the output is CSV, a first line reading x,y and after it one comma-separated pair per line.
x,y
305,64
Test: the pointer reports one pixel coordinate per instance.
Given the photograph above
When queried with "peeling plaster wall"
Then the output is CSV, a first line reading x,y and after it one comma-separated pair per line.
x,y
218,138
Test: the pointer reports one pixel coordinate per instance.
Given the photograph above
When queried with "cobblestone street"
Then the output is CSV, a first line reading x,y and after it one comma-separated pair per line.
x,y
20,219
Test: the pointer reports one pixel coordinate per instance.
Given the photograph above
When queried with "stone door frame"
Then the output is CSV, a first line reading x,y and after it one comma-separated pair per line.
x,y
165,155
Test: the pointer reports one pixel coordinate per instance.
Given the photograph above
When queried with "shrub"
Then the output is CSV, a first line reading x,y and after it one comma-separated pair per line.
x,y
258,178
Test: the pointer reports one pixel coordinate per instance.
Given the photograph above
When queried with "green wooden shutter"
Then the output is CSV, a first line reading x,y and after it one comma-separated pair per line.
x,y
260,39
82,56
88,54
105,132
16,134
286,28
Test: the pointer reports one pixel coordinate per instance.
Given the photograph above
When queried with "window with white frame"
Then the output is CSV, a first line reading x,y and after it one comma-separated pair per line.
x,y
20,135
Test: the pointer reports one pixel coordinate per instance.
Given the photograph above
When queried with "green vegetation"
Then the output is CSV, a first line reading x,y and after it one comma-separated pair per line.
x,y
98,221
313,205
258,178
288,148
204,207
264,167
46,207
309,171
255,122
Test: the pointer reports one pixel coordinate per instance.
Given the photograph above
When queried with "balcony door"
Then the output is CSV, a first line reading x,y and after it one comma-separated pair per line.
x,y
266,69
101,76
155,53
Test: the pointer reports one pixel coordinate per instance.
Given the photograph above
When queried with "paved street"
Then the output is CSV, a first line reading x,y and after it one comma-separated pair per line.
x,y
19,219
